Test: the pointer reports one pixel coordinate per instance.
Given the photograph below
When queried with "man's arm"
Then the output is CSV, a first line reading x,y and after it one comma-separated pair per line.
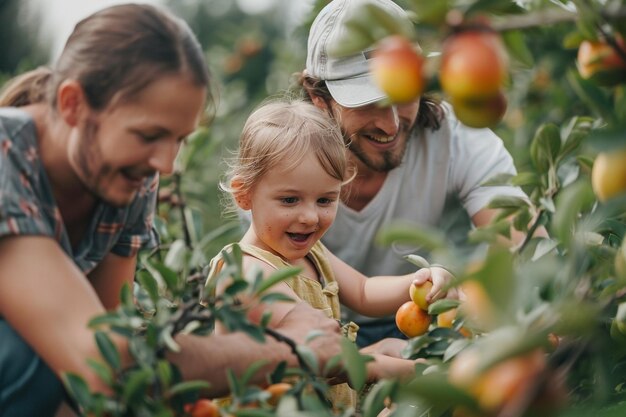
x,y
208,358
49,303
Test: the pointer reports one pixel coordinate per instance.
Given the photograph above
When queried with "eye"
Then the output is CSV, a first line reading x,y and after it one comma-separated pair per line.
x,y
289,200
149,137
324,201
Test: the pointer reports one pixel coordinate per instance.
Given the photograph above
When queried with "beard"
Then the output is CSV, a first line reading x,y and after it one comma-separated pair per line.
x,y
383,161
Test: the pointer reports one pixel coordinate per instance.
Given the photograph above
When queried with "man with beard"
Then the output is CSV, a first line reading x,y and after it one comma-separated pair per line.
x,y
415,162
82,146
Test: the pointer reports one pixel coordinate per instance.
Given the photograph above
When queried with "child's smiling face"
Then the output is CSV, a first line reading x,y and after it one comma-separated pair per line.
x,y
292,208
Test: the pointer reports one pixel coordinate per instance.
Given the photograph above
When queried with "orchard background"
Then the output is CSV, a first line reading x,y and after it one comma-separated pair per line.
x,y
543,329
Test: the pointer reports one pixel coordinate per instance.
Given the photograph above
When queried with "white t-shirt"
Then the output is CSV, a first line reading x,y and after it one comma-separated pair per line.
x,y
441,172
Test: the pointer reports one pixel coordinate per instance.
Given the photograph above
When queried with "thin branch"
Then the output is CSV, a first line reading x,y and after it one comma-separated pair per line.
x,y
549,17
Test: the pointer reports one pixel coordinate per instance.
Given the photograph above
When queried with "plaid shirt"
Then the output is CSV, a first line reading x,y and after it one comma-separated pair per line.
x,y
27,205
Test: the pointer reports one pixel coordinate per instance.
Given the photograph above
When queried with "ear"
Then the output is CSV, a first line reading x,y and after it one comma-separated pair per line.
x,y
318,102
241,194
71,101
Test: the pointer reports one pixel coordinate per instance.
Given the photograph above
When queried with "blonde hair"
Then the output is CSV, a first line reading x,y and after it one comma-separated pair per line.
x,y
287,130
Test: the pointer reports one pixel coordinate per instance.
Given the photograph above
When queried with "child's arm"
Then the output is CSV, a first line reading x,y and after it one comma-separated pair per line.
x,y
382,295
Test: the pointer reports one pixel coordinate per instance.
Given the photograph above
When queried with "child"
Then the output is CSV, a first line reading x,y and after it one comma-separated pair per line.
x,y
289,173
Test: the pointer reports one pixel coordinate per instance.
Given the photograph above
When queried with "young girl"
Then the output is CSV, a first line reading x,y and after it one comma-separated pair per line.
x,y
289,173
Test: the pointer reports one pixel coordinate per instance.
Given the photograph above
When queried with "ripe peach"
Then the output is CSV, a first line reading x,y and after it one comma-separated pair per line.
x,y
473,65
202,408
480,112
502,383
600,62
412,320
418,294
608,175
397,68
477,307
447,318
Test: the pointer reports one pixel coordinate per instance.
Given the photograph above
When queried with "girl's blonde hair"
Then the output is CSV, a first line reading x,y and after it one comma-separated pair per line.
x,y
282,130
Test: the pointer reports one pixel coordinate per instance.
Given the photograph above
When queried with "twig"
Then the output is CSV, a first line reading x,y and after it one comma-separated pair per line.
x,y
549,17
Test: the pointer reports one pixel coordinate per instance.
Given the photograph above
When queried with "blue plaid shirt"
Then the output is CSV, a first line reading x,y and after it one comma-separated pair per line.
x,y
27,205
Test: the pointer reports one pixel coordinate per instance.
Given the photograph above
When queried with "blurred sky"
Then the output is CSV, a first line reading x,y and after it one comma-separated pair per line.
x,y
60,16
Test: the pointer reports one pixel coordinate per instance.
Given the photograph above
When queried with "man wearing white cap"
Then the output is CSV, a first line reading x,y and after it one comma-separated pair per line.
x,y
416,162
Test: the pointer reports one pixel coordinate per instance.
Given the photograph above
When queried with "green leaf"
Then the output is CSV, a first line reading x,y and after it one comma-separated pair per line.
x,y
375,400
516,46
149,284
545,147
187,387
390,23
441,306
354,363
417,260
607,139
168,340
507,202
137,384
569,203
431,12
78,389
307,355
592,95
108,350
164,372
103,371
176,257
428,239
276,297
498,180
252,370
276,277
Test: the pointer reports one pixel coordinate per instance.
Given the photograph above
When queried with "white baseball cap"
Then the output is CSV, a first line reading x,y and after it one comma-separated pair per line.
x,y
348,78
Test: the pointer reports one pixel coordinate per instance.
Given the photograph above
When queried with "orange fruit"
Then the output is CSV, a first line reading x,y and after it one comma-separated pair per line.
x,y
412,320
202,408
276,391
600,62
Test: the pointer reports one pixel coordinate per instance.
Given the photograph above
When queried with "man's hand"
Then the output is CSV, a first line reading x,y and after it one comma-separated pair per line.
x,y
303,319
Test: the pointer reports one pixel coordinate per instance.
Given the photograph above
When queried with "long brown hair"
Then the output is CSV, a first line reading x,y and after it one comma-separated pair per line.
x,y
114,54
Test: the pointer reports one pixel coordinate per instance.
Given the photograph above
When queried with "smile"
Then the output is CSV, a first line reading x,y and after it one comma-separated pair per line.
x,y
299,237
381,139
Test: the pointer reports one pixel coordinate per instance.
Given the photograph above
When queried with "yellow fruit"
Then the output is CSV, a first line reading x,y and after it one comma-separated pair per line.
x,y
473,65
418,294
608,175
397,68
411,320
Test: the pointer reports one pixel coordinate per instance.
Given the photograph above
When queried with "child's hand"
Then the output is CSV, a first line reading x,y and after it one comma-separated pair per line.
x,y
440,278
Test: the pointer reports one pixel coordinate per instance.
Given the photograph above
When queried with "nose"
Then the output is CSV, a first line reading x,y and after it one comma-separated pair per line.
x,y
163,156
388,120
308,215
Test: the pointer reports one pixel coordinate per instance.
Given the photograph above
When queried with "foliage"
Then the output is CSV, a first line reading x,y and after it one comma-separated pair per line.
x,y
570,285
